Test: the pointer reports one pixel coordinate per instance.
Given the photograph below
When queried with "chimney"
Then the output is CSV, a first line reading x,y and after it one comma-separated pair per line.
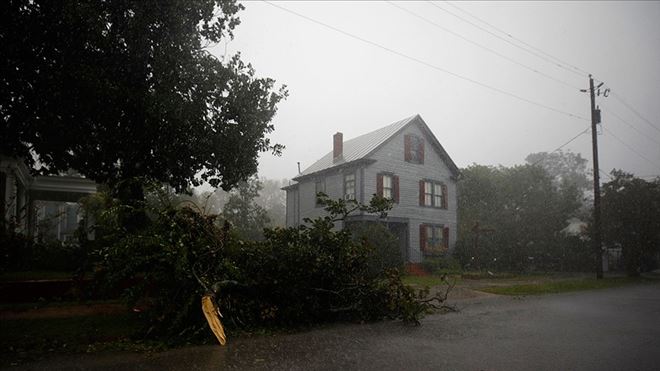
x,y
337,146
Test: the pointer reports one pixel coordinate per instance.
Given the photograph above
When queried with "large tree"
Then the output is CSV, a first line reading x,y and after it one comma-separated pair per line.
x,y
631,220
119,89
512,218
248,217
567,169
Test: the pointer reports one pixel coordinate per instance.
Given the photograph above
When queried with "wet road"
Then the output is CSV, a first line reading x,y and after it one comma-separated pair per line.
x,y
613,329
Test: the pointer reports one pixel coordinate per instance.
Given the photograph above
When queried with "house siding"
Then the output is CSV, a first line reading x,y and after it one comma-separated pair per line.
x,y
390,158
334,188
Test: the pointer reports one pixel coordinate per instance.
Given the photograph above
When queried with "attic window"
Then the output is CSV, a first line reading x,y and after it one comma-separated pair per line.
x,y
413,149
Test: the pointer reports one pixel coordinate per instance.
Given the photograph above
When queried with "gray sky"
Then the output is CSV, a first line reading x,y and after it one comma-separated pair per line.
x,y
337,83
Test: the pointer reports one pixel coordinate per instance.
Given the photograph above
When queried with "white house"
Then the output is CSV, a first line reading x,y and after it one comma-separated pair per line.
x,y
50,202
403,161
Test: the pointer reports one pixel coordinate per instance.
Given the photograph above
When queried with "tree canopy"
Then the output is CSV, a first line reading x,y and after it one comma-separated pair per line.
x,y
119,89
512,218
631,211
567,169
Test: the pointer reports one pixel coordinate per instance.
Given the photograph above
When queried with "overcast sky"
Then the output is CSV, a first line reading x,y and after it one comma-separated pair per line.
x,y
338,83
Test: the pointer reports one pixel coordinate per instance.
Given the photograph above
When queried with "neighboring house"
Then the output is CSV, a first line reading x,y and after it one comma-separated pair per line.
x,y
41,206
403,161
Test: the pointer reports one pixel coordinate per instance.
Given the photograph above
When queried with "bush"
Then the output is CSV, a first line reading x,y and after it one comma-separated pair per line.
x,y
383,244
21,253
442,265
295,276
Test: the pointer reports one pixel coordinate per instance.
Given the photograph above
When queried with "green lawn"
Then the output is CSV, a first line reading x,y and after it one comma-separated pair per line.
x,y
429,281
559,286
27,339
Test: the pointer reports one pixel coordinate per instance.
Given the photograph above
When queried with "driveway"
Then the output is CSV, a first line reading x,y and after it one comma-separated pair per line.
x,y
612,329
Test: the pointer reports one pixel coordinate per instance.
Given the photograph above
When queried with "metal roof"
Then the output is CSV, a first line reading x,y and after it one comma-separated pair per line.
x,y
360,148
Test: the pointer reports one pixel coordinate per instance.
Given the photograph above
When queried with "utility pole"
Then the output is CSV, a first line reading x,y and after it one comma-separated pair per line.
x,y
595,119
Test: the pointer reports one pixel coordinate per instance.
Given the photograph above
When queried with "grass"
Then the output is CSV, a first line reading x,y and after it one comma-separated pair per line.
x,y
560,286
34,275
29,339
429,281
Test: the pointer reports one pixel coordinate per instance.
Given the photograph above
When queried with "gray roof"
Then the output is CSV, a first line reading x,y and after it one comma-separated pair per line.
x,y
361,147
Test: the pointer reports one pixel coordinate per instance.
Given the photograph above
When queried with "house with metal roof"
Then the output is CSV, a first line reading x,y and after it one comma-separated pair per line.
x,y
403,161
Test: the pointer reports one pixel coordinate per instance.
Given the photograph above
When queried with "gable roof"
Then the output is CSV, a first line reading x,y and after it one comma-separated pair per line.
x,y
361,147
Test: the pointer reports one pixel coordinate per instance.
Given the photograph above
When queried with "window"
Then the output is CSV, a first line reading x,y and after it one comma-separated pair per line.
x,y
349,187
319,187
413,149
432,194
387,186
434,239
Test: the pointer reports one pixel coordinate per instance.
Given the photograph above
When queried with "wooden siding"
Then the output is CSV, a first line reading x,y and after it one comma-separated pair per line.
x,y
334,188
390,158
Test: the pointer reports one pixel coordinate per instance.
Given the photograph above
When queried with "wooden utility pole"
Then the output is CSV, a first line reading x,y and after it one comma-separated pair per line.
x,y
595,119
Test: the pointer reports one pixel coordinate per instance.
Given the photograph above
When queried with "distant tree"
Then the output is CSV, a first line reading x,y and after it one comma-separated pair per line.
x,y
567,169
242,210
125,89
273,199
512,218
631,220
210,202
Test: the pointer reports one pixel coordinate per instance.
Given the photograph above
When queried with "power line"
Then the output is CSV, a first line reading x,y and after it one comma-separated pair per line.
x,y
536,54
606,174
620,99
632,126
630,147
517,39
427,64
482,46
563,145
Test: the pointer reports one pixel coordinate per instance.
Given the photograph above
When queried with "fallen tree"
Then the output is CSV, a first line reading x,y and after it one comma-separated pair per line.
x,y
295,276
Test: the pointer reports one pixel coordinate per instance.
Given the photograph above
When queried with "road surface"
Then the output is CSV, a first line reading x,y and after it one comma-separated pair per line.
x,y
611,329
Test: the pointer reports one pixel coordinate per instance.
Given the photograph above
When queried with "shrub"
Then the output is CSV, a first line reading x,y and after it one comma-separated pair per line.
x,y
383,244
442,265
295,276
22,253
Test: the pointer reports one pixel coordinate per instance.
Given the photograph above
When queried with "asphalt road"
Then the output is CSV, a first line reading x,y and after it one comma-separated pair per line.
x,y
612,329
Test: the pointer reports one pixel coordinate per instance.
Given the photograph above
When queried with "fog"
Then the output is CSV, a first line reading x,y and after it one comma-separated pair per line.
x,y
339,83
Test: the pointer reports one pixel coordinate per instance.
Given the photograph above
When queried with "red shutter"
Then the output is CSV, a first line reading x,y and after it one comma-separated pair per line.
x,y
422,237
395,188
445,237
444,196
379,185
421,193
406,147
421,150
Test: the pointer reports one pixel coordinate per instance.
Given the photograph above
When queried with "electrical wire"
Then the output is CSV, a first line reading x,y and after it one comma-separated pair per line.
x,y
427,64
435,24
630,147
563,145
606,174
632,126
620,99
517,39
536,54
